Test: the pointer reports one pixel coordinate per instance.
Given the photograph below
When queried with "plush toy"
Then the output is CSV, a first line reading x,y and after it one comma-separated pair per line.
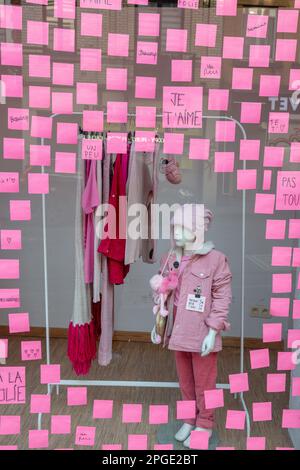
x,y
162,286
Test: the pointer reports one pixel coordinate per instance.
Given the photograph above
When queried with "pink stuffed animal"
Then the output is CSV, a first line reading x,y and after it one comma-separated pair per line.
x,y
162,286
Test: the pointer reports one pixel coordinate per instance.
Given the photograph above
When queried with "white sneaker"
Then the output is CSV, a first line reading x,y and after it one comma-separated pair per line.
x,y
184,432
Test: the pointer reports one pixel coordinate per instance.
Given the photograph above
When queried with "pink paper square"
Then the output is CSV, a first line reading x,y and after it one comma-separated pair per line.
x,y
9,298
199,440
90,59
146,52
9,269
132,413
62,103
8,447
259,358
175,99
239,382
273,156
86,93
38,183
173,143
235,419
63,74
39,97
225,131
242,78
182,70
38,439
50,374
41,127
13,86
117,111
295,386
282,283
257,26
65,9
176,40
85,435
117,142
264,203
214,398
148,24
224,162
9,182
11,54
11,239
111,447
10,425
210,67
294,82
60,424
92,121
158,414
91,149
13,148
31,350
118,45
262,411
116,79
259,55
145,141
163,447
256,443
145,87
287,21
20,210
286,50
11,17
281,256
18,119
249,149
246,179
295,152
250,113
285,361
103,409
18,322
218,100
3,349
233,47
206,35
65,162
111,5
294,228
137,441
293,340
272,332
296,257
267,180
67,133
38,32
291,419
199,149
269,85
226,7
39,66
276,383
275,229
145,116
64,40
40,404
185,409
91,24
76,396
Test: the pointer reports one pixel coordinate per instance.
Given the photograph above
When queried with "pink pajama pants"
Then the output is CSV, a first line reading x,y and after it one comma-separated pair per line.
x,y
197,374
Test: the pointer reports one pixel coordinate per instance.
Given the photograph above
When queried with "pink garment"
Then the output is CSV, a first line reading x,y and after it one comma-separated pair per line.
x,y
197,374
183,262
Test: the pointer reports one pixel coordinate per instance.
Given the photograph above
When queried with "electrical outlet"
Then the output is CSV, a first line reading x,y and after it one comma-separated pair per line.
x,y
260,311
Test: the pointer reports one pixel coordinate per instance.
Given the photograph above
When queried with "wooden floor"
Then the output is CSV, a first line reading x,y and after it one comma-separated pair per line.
x,y
140,361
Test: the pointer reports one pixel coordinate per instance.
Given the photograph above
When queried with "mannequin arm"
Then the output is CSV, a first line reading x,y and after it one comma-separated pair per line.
x,y
208,343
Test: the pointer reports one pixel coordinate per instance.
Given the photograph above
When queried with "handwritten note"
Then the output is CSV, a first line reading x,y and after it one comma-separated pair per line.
x,y
288,190
182,107
92,149
9,182
12,385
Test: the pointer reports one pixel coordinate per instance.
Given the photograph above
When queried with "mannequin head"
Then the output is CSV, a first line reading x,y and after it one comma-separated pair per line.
x,y
183,236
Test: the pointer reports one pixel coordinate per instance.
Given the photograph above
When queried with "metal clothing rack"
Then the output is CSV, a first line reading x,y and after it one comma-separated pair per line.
x,y
143,384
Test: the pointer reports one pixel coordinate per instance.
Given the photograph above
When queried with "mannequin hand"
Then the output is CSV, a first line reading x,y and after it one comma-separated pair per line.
x,y
208,343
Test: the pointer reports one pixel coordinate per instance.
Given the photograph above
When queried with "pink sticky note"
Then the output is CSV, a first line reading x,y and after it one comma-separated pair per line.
x,y
145,87
296,386
185,409
91,149
117,111
85,435
9,298
40,155
86,93
148,24
38,439
92,121
296,257
10,425
291,419
233,47
206,35
146,52
286,50
40,404
249,149
11,239
251,113
225,448
8,447
12,86
3,348
117,142
239,382
38,183
38,32
18,119
210,67
116,79
39,97
246,179
269,85
103,409
235,419
63,74
242,78
163,447
264,203
11,54
257,26
176,40
65,162
224,162
276,383
199,149
256,443
262,411
145,141
31,350
282,283
273,156
294,228
132,413
259,55
67,133
41,127
91,24
50,373
218,99
287,190
13,148
9,269
39,66
18,322
111,447
281,255
214,398
287,21
259,358
111,5
62,103
226,7
60,424
199,440
13,384
293,340
297,4
177,98
158,414
137,441
294,82
225,131
181,70
267,180
20,210
10,17
118,45
173,143
64,40
65,9
9,182
145,116
272,332
285,361
90,59
76,396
